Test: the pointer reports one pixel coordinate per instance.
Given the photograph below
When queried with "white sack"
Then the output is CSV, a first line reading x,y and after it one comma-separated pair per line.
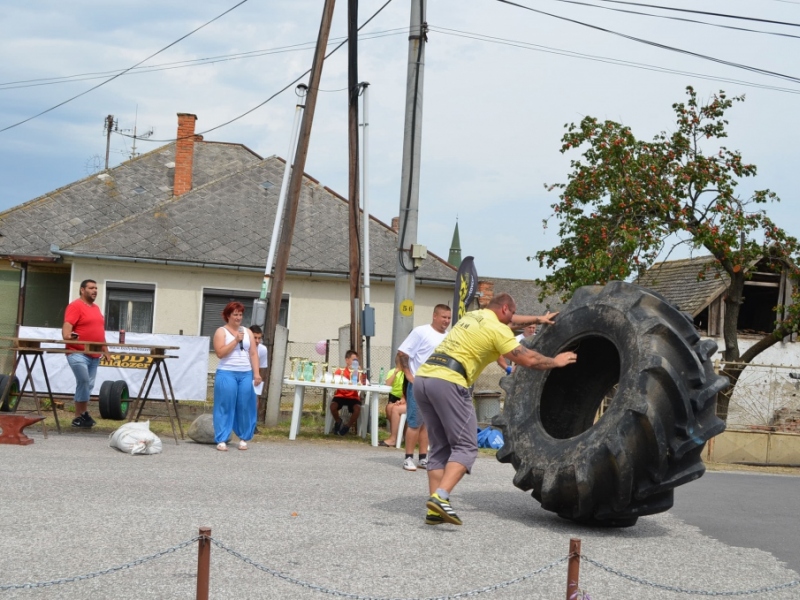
x,y
135,438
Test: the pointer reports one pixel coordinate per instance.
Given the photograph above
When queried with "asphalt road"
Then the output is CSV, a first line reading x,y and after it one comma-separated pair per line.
x,y
749,510
339,516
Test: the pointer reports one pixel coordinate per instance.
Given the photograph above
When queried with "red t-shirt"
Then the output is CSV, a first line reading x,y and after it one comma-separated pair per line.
x,y
87,321
350,394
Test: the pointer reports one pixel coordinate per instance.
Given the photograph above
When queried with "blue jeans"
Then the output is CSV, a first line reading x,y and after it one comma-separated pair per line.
x,y
235,405
85,368
413,415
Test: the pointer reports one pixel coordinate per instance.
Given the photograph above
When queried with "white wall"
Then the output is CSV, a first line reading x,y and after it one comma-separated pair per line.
x,y
765,386
317,308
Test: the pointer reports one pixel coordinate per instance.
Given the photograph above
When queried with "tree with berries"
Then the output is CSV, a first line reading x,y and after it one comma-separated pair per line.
x,y
627,202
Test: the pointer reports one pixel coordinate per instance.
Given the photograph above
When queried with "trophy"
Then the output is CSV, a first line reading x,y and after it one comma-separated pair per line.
x,y
293,362
318,372
327,376
308,370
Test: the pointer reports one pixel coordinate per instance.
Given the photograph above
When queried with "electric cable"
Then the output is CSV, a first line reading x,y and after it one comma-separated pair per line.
x,y
198,62
125,71
683,19
603,59
657,44
279,92
702,12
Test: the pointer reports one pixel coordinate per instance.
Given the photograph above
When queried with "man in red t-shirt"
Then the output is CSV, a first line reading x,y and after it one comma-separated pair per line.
x,y
84,321
349,398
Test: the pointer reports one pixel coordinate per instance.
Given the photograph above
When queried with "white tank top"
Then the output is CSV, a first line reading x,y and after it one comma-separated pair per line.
x,y
238,359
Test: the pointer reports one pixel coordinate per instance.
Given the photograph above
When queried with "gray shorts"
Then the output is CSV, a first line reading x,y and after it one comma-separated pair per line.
x,y
450,418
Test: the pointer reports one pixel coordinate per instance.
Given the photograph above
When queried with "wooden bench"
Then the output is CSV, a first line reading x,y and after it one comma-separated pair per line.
x,y
11,426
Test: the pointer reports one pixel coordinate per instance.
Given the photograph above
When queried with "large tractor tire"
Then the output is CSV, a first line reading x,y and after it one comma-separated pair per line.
x,y
645,359
9,393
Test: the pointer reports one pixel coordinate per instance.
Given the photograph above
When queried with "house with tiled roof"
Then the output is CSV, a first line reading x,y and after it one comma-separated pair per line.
x,y
173,235
697,287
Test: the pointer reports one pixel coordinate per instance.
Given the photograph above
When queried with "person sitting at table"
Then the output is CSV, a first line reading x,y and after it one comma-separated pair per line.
x,y
396,407
234,397
349,398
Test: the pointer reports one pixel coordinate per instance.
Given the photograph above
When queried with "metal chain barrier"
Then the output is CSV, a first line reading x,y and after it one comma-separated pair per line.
x,y
130,565
680,590
325,590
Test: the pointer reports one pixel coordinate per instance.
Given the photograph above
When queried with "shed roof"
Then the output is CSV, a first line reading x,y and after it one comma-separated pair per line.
x,y
690,283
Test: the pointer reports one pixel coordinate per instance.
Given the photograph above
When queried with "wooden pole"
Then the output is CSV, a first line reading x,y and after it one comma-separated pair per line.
x,y
573,568
203,562
352,113
295,186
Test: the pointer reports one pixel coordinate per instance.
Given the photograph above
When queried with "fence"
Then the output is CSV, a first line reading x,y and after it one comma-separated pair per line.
x,y
573,589
766,395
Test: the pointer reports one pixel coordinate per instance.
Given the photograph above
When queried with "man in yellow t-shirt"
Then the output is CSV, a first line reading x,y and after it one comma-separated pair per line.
x,y
442,389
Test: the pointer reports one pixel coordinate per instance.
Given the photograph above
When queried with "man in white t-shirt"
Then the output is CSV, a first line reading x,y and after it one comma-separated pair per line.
x,y
414,351
258,334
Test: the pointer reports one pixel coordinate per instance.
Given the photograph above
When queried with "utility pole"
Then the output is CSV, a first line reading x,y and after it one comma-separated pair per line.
x,y
352,134
368,323
295,186
405,283
109,127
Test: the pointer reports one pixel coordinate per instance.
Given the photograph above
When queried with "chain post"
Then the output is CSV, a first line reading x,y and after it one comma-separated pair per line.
x,y
573,568
203,562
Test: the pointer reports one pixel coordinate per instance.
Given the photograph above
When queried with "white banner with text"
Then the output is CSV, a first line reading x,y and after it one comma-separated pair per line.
x,y
188,372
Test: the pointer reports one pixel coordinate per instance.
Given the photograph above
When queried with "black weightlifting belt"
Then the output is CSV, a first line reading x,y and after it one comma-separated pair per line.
x,y
442,360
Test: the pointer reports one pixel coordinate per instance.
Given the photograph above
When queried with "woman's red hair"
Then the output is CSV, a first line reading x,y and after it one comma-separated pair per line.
x,y
230,307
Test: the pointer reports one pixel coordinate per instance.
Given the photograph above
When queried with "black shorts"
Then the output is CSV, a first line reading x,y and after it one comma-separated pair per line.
x,y
348,402
393,399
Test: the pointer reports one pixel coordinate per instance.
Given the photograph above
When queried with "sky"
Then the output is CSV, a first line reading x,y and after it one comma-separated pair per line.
x,y
500,84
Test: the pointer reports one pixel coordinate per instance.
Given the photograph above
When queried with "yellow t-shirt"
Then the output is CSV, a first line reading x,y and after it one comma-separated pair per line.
x,y
477,340
397,384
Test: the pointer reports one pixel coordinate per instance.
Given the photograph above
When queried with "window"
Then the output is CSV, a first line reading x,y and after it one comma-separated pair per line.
x,y
46,296
216,300
129,306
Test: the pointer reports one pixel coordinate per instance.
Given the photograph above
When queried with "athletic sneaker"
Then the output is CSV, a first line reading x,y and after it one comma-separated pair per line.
x,y
336,426
423,463
443,508
408,464
433,518
87,417
344,429
81,422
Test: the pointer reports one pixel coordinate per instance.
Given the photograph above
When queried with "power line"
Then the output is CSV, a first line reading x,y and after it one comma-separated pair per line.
x,y
683,19
603,59
12,85
658,45
702,12
279,92
125,71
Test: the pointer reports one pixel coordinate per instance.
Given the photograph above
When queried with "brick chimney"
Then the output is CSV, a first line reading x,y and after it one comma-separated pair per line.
x,y
184,153
485,293
396,224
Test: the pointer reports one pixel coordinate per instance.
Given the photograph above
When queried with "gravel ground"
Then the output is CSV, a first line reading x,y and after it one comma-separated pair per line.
x,y
337,514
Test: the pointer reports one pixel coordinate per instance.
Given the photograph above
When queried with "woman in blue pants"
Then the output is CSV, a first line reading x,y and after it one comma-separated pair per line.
x,y
235,399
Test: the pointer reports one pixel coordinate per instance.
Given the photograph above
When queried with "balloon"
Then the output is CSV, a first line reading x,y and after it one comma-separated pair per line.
x,y
321,347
